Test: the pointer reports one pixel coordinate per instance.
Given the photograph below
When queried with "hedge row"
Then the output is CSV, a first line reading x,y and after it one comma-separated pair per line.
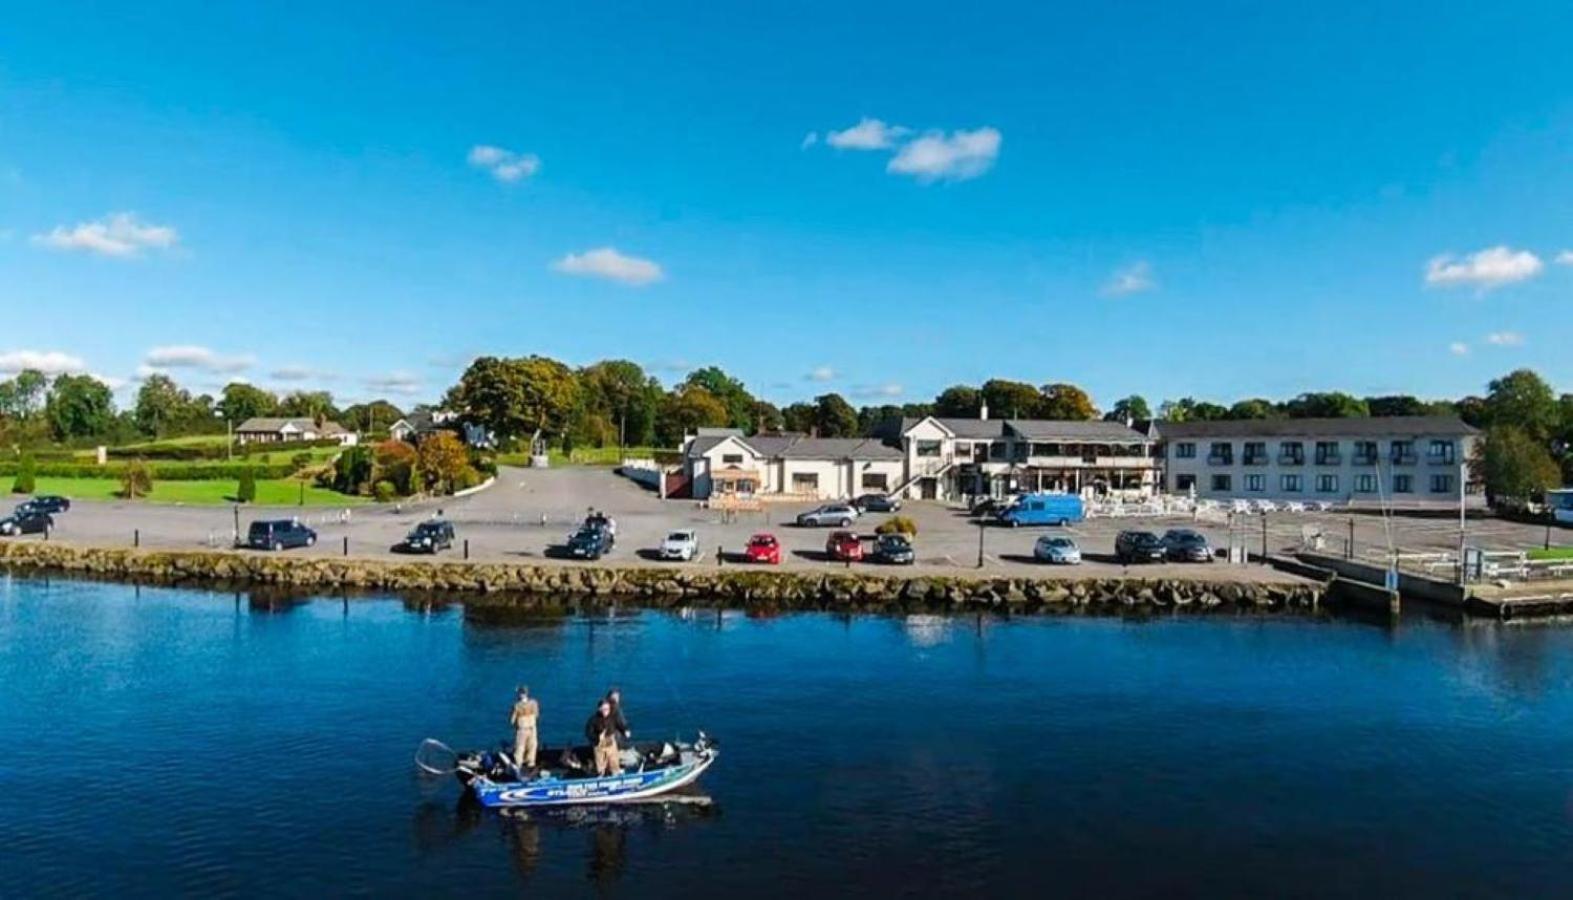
x,y
170,472
175,451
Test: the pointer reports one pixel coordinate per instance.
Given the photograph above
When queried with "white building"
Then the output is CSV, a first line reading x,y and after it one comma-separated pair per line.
x,y
1401,460
948,459
722,461
264,430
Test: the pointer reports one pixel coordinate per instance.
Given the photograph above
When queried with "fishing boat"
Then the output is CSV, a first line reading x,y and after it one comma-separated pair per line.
x,y
567,776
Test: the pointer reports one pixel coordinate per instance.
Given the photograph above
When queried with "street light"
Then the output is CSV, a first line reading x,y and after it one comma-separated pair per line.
x,y
229,432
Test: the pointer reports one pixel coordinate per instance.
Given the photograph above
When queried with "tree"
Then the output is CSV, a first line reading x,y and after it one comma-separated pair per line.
x,y
22,395
1010,399
1522,400
375,415
160,404
958,401
1515,466
834,416
688,408
79,406
395,462
620,391
445,461
1396,405
800,417
1130,409
733,395
1326,405
315,405
513,398
241,401
26,476
1255,408
136,480
1473,411
1066,402
246,491
353,469
767,417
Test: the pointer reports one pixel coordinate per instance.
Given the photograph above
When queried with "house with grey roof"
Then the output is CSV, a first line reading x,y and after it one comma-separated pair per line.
x,y
955,458
786,465
273,430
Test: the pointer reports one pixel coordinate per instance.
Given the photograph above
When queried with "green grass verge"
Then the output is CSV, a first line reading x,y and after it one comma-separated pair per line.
x,y
270,492
583,456
1551,553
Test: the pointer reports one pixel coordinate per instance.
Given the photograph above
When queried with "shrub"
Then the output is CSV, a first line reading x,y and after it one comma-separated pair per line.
x,y
246,492
352,470
384,491
300,460
897,525
171,471
136,480
25,474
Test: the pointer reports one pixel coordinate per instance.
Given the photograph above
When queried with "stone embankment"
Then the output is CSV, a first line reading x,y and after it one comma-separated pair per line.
x,y
774,588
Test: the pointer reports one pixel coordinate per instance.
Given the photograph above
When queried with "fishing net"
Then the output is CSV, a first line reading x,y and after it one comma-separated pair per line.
x,y
433,757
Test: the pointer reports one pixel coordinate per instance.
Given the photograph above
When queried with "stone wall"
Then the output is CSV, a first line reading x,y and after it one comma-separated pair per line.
x,y
653,586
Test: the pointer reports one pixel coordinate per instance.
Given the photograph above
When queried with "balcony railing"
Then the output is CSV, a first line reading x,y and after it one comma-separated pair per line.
x,y
1256,459
1404,459
1291,459
1329,459
1214,459
1441,459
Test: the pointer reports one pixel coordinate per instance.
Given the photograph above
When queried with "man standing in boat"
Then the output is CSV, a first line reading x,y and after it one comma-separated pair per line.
x,y
601,732
614,697
526,714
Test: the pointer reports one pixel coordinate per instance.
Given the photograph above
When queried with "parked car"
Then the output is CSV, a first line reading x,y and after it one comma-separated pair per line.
x,y
47,503
681,545
590,542
26,521
763,548
279,534
1185,545
989,506
844,546
894,549
837,514
429,537
1056,549
880,503
1138,546
1043,509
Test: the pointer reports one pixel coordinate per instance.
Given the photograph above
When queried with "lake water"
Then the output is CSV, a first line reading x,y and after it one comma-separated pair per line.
x,y
163,742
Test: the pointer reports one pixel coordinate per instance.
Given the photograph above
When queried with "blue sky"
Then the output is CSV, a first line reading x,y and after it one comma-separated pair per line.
x,y
1222,200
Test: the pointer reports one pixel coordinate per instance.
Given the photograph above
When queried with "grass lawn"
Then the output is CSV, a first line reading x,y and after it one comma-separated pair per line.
x,y
583,456
1552,553
270,492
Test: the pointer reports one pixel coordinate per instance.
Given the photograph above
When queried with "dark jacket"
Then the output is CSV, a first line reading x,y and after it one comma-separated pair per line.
x,y
619,723
597,726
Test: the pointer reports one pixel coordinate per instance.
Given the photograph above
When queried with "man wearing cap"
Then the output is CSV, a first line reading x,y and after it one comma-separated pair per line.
x,y
525,714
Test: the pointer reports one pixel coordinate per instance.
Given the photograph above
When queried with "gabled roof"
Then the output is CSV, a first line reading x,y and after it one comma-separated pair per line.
x,y
273,425
963,428
797,446
1077,430
1364,426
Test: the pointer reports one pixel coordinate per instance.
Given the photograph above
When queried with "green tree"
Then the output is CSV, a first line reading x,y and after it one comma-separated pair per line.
x,y
314,405
246,491
767,417
1396,405
685,409
26,476
1255,408
241,401
161,403
1066,402
1130,409
136,480
958,401
800,417
514,397
1011,399
834,416
79,406
1326,405
1522,400
730,391
22,395
375,415
445,461
621,392
353,468
1515,466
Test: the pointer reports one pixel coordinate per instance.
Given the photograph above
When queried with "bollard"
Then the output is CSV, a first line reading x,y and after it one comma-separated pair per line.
x,y
1349,552
346,545
136,537
720,558
466,548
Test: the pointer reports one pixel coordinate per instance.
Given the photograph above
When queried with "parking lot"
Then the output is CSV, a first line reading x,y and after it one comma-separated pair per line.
x,y
528,513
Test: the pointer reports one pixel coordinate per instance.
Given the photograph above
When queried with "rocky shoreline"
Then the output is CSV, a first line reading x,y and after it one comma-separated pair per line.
x,y
777,589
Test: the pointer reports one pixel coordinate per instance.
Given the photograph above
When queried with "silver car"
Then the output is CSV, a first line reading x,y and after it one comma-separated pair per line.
x,y
1056,549
839,515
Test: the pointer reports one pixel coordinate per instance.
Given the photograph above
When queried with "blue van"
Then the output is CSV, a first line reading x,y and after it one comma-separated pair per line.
x,y
1044,509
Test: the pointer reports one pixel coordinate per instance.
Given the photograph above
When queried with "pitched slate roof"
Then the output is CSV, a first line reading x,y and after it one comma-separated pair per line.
x,y
965,428
797,446
1364,426
273,425
1077,430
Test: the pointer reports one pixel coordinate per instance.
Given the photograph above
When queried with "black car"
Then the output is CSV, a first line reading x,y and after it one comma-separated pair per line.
x,y
893,549
429,537
47,503
590,542
26,521
1139,546
1185,545
279,534
881,503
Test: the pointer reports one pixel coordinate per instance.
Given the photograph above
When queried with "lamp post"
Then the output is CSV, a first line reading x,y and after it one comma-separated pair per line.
x,y
229,433
1463,478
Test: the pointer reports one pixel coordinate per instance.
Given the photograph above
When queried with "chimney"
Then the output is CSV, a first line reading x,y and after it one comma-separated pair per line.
x,y
983,410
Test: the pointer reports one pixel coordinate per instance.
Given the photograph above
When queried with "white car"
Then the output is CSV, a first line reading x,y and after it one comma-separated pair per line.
x,y
681,545
1056,550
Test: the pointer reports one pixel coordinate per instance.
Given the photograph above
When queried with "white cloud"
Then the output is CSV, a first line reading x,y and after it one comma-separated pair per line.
x,y
112,382
821,373
1458,348
50,362
878,391
955,157
606,262
1565,258
191,356
1505,339
301,373
1485,269
1133,279
867,134
395,383
809,140
120,235
505,165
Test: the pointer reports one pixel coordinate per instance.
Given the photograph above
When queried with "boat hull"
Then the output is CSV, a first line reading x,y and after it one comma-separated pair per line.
x,y
554,791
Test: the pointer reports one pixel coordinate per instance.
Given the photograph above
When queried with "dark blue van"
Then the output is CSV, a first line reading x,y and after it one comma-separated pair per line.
x,y
1043,509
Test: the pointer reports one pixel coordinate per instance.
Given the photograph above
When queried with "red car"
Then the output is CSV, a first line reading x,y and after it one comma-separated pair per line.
x,y
844,546
763,548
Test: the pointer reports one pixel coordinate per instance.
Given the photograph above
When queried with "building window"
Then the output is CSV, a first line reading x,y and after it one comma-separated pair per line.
x,y
1222,483
1365,484
805,482
875,481
1221,453
1290,484
999,451
1440,453
1185,450
1256,453
1256,482
1327,484
1327,453
1291,453
1403,453
1365,453
1185,482
1403,484
731,459
1441,484
929,448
